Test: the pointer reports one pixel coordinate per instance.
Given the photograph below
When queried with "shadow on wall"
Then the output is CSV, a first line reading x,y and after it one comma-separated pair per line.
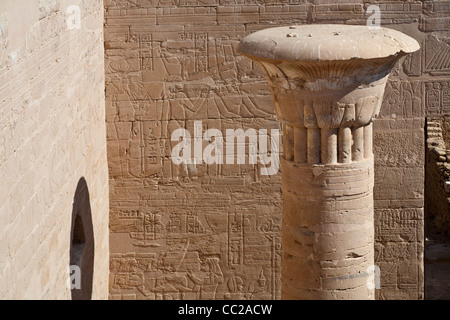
x,y
82,244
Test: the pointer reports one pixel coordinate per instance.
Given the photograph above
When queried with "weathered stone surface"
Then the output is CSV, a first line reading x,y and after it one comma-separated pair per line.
x,y
53,163
170,63
437,177
204,79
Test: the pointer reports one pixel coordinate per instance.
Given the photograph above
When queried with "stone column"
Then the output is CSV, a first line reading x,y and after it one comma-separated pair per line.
x,y
327,84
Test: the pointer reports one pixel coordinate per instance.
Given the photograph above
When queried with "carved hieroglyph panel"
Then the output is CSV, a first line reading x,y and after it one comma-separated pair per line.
x,y
437,97
170,63
190,231
204,256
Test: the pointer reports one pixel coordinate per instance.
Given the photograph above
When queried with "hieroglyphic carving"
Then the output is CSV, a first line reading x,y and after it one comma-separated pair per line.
x,y
235,239
185,75
433,59
437,97
399,251
170,62
187,262
402,99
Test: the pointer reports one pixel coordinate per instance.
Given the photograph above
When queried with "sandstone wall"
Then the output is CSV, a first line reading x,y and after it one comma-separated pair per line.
x,y
52,144
173,62
437,193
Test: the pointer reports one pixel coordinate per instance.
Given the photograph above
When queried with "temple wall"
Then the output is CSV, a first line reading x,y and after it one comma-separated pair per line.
x,y
437,195
53,162
212,231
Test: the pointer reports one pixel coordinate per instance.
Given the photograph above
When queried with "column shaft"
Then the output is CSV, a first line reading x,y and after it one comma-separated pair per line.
x,y
328,230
